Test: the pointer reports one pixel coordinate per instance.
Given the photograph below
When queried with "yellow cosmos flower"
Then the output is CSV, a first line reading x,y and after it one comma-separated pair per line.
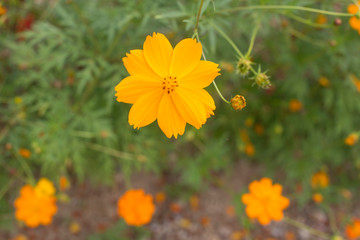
x,y
166,85
320,180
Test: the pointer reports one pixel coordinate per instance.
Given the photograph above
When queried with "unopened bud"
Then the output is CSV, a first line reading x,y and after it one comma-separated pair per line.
x,y
243,66
262,80
337,22
238,102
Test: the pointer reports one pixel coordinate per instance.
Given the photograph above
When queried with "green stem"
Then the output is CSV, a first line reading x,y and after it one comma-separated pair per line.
x,y
284,7
306,38
307,228
227,38
198,17
253,36
214,83
110,151
305,21
27,171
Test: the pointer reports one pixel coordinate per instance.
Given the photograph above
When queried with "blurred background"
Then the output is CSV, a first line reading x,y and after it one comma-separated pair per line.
x,y
59,119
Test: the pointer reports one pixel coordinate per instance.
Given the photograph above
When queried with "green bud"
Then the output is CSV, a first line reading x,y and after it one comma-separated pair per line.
x,y
262,80
243,66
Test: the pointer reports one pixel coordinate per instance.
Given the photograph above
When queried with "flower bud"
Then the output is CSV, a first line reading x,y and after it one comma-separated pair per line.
x,y
262,80
243,66
238,102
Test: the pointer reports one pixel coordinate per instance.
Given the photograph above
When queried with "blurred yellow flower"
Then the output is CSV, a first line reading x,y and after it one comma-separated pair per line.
x,y
317,197
352,230
136,207
320,180
354,21
18,100
227,66
20,237
295,105
265,202
25,153
44,188
74,227
166,85
34,209
238,102
324,82
351,139
194,202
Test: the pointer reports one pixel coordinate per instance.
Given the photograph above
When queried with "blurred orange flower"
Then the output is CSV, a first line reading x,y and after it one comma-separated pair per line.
x,y
317,197
160,197
320,180
249,149
324,82
34,209
351,139
64,183
356,81
354,21
295,105
265,202
352,231
2,10
321,19
25,153
136,207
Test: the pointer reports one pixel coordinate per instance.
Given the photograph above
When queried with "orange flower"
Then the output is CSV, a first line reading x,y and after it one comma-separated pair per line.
x,y
320,180
265,202
160,197
166,84
34,209
63,183
352,231
317,197
136,207
25,153
324,82
356,81
321,19
351,139
249,149
2,10
354,21
295,105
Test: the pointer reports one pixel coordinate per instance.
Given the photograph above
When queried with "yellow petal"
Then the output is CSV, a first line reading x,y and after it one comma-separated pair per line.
x,y
158,53
190,108
202,76
264,219
205,98
136,64
131,88
144,111
169,120
186,57
353,9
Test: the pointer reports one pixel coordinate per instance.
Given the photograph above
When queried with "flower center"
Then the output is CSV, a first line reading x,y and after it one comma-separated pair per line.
x,y
169,84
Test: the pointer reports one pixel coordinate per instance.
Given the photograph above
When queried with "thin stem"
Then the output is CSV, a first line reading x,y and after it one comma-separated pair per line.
x,y
214,83
253,36
285,7
27,171
227,38
307,228
198,17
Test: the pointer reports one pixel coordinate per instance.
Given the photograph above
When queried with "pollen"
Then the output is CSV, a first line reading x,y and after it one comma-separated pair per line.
x,y
169,84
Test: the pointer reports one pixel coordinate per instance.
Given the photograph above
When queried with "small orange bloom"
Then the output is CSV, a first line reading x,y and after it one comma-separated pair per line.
x,y
230,211
354,21
2,10
160,197
34,209
320,180
352,231
64,183
317,197
205,221
265,202
356,81
324,82
351,139
249,149
295,105
20,237
259,129
321,19
175,208
136,207
25,153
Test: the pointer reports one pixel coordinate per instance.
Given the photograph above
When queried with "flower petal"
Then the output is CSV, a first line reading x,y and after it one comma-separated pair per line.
x,y
158,53
136,64
204,97
186,57
131,88
353,9
144,111
169,119
202,76
191,109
